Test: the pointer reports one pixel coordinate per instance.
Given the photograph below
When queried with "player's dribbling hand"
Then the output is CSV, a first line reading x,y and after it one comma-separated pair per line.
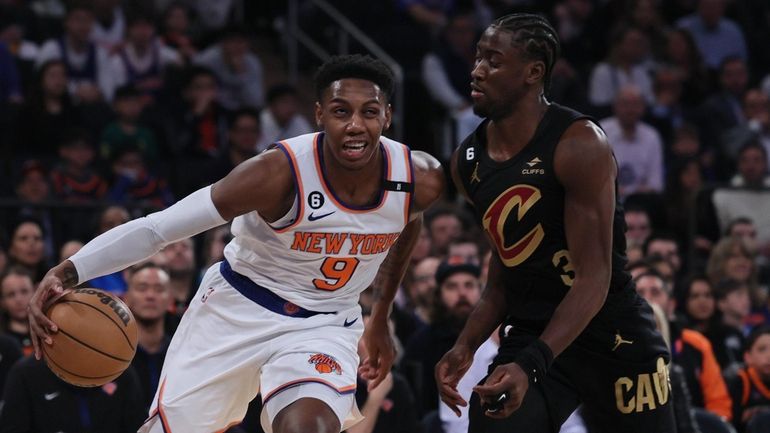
x,y
508,378
449,371
380,350
40,326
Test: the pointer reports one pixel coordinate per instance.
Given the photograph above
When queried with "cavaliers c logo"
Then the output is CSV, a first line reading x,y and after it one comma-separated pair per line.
x,y
523,196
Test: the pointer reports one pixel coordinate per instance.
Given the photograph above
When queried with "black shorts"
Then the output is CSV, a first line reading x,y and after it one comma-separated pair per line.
x,y
616,369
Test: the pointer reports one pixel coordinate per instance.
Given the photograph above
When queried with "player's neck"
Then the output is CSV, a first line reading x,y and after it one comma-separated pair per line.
x,y
508,135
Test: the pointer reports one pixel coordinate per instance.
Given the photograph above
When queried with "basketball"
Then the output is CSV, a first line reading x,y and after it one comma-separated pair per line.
x,y
96,340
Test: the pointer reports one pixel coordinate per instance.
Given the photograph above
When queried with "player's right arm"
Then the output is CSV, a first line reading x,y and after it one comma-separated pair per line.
x,y
263,184
488,314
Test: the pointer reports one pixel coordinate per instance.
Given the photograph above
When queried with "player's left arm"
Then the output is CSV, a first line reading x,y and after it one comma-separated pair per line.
x,y
585,166
429,184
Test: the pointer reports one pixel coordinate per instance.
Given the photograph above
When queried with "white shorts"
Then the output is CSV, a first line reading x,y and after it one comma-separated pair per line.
x,y
228,348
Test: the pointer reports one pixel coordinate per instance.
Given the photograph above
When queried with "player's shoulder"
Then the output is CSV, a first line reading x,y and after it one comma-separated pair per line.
x,y
429,179
584,134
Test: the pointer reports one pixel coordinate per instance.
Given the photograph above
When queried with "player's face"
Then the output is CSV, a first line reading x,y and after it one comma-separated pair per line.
x,y
759,355
501,74
700,301
353,113
148,294
15,294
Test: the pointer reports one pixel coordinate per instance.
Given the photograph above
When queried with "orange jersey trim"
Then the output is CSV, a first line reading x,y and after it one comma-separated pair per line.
x,y
161,413
330,193
344,390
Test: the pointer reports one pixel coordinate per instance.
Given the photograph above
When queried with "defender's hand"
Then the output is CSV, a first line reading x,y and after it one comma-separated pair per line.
x,y
508,378
449,371
380,350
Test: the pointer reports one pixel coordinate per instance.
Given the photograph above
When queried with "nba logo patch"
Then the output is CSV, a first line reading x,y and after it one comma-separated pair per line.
x,y
109,388
325,363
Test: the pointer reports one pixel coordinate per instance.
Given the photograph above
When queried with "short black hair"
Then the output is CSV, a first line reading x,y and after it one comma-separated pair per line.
x,y
737,221
726,286
360,66
659,236
75,136
752,144
755,334
537,38
196,71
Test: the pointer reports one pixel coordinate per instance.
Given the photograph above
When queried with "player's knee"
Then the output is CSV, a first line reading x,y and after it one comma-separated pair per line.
x,y
306,416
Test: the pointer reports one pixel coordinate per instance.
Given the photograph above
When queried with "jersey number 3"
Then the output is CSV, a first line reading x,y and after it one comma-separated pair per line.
x,y
337,272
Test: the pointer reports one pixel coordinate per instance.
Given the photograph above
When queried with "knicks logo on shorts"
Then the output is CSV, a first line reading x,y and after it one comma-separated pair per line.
x,y
647,392
325,363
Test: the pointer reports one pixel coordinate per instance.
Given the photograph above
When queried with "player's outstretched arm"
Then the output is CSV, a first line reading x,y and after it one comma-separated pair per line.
x,y
489,312
263,183
428,187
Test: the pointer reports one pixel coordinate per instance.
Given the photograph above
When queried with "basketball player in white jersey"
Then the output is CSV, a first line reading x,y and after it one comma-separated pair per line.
x,y
317,219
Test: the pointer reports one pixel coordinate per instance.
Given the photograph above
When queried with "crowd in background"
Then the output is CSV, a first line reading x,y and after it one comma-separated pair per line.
x,y
111,109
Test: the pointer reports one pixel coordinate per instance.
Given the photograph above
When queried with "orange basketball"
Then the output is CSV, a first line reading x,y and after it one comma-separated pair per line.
x,y
96,340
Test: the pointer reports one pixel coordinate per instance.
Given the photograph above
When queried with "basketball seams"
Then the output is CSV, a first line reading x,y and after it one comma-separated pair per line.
x,y
119,326
93,348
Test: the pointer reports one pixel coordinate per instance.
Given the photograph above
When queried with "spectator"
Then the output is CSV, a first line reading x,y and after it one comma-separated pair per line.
x,y
723,110
69,249
148,297
421,287
74,179
734,303
47,112
16,289
665,246
733,259
444,224
581,33
179,258
142,58
683,185
198,130
109,24
214,242
466,248
238,70
667,112
176,31
750,391
682,53
134,183
126,130
690,350
243,135
638,227
717,37
623,68
281,118
698,305
13,33
637,146
756,111
458,293
27,250
87,64
36,401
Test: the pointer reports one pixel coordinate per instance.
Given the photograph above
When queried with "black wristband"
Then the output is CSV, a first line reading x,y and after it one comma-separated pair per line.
x,y
535,360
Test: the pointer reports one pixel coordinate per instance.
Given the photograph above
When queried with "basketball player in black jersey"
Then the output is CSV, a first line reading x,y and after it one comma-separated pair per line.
x,y
542,179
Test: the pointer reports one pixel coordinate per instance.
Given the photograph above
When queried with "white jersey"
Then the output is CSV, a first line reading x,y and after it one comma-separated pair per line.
x,y
323,253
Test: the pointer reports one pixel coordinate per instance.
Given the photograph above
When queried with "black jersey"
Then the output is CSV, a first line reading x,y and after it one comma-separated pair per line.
x,y
520,204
